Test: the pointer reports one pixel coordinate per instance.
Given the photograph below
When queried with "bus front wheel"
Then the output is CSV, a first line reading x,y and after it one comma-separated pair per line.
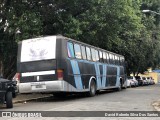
x,y
92,89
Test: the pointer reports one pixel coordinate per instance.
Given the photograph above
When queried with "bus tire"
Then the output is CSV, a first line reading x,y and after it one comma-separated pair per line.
x,y
9,103
92,89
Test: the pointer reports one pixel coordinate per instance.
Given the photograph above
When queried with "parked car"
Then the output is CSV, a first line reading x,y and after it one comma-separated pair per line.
x,y
140,80
16,80
145,81
151,80
130,82
133,79
7,92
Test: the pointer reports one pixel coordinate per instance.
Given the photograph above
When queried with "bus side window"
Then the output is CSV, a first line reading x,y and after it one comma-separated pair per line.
x,y
122,61
77,51
88,53
100,57
113,57
104,57
110,58
83,52
115,60
118,62
97,56
70,49
107,57
93,54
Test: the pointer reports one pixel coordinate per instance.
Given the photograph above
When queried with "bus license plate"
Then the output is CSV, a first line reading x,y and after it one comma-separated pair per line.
x,y
38,87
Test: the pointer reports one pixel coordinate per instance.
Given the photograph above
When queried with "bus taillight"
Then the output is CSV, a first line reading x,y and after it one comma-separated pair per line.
x,y
17,77
60,74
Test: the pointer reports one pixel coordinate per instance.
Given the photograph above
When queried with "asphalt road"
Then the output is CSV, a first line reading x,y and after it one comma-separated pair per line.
x,y
131,99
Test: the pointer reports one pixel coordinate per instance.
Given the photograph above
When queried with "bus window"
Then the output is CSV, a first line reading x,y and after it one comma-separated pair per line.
x,y
110,58
115,59
107,57
88,53
70,49
93,54
83,52
77,51
118,60
97,56
100,57
104,57
122,61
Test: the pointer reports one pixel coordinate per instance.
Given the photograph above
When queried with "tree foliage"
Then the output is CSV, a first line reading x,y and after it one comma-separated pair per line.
x,y
115,25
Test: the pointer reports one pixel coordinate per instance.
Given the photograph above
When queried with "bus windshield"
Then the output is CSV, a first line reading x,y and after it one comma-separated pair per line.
x,y
38,49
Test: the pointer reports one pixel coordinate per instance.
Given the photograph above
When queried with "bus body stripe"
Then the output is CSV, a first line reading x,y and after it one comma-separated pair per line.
x,y
118,75
98,75
77,75
104,76
100,84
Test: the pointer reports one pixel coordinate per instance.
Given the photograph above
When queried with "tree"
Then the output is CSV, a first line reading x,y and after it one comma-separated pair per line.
x,y
15,17
114,25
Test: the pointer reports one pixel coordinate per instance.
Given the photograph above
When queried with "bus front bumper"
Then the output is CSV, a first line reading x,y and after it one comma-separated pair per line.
x,y
46,86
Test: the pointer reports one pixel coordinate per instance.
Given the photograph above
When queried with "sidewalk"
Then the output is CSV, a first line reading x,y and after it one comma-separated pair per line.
x,y
25,97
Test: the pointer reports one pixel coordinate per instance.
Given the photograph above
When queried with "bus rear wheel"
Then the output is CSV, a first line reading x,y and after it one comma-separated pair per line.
x,y
92,90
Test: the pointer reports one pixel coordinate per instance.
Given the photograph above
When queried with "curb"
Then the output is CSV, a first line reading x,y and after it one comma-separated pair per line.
x,y
29,99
